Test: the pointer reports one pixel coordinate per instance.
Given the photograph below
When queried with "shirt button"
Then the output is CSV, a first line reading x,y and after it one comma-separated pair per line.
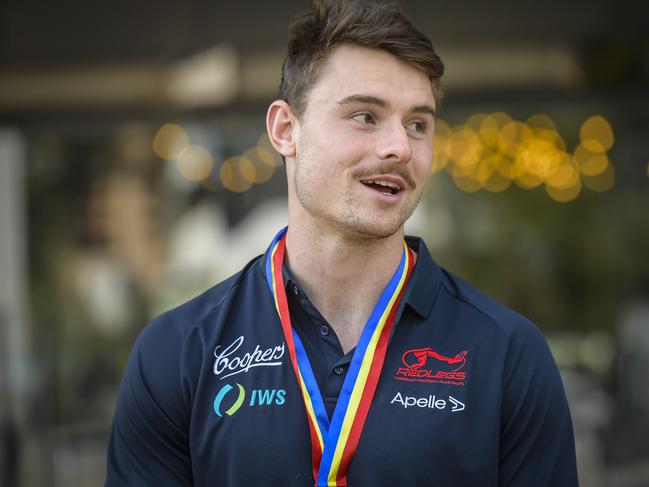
x,y
339,370
296,291
324,330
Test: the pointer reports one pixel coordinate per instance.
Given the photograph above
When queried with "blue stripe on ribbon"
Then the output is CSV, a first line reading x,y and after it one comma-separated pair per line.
x,y
269,260
303,362
311,386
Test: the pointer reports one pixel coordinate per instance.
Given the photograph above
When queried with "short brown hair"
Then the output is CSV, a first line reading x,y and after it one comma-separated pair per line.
x,y
330,23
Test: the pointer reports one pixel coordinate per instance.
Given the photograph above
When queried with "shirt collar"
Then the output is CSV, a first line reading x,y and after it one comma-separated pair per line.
x,y
425,280
423,285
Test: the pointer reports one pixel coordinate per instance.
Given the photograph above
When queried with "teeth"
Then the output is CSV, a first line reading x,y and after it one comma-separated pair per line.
x,y
383,183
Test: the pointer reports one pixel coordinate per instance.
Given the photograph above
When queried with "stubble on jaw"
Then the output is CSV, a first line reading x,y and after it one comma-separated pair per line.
x,y
347,217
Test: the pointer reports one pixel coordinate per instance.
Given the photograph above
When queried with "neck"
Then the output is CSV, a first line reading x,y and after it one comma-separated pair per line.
x,y
342,276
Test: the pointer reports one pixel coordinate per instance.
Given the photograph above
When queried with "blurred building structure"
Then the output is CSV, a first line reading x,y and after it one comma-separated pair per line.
x,y
134,173
14,333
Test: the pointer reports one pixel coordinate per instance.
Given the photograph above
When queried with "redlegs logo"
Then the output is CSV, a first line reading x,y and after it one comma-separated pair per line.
x,y
426,365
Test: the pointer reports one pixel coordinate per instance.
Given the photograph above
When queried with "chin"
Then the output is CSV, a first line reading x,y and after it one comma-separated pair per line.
x,y
372,228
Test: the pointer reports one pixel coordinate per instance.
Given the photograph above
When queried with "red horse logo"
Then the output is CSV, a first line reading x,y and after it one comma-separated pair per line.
x,y
416,359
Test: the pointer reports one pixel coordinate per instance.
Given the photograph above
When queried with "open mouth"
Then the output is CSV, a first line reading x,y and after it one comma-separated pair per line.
x,y
381,186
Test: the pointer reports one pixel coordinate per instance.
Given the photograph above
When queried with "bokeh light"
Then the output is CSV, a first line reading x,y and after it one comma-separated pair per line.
x,y
195,163
440,146
491,151
170,141
564,194
465,147
256,165
602,181
263,165
501,118
489,131
541,121
247,169
511,135
464,180
565,175
232,176
596,134
590,163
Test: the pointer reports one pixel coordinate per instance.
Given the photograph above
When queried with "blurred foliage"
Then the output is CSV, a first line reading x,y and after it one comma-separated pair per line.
x,y
569,267
79,363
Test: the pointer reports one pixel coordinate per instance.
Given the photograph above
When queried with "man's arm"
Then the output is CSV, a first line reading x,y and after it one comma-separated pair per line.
x,y
149,442
537,442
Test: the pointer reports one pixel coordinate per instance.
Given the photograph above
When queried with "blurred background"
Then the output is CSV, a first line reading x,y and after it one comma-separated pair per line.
x,y
135,173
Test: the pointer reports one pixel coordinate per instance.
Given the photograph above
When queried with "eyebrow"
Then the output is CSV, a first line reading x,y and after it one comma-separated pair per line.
x,y
373,100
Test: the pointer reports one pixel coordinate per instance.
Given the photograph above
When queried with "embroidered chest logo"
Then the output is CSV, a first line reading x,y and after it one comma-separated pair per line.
x,y
426,365
229,361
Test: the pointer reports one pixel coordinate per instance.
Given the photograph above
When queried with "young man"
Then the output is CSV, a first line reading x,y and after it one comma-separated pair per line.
x,y
345,355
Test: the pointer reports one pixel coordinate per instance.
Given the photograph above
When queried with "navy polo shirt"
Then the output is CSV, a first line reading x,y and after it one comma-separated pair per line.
x,y
469,394
328,361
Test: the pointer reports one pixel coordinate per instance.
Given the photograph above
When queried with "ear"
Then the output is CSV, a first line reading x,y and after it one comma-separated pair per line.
x,y
281,125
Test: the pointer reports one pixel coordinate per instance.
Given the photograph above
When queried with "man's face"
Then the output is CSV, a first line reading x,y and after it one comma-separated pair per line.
x,y
363,144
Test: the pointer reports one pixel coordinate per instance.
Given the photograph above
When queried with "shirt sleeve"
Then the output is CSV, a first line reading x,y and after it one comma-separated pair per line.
x,y
537,442
149,439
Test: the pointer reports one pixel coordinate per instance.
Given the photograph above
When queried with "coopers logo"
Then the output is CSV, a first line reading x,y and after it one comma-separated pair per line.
x,y
426,365
227,362
230,399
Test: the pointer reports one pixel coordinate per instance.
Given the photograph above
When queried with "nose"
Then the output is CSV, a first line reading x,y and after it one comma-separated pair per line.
x,y
394,144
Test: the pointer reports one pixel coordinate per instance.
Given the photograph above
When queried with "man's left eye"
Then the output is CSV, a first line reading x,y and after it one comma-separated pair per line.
x,y
417,126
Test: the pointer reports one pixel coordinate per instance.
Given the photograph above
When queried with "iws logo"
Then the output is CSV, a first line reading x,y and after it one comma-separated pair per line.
x,y
226,403
227,362
235,406
443,370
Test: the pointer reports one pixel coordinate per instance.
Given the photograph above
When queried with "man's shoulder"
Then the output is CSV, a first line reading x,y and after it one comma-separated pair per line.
x,y
508,322
478,308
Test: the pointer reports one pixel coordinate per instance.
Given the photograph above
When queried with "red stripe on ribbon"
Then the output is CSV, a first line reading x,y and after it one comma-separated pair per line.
x,y
282,302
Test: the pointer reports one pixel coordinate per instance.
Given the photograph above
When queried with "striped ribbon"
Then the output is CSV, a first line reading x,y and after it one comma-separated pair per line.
x,y
334,443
